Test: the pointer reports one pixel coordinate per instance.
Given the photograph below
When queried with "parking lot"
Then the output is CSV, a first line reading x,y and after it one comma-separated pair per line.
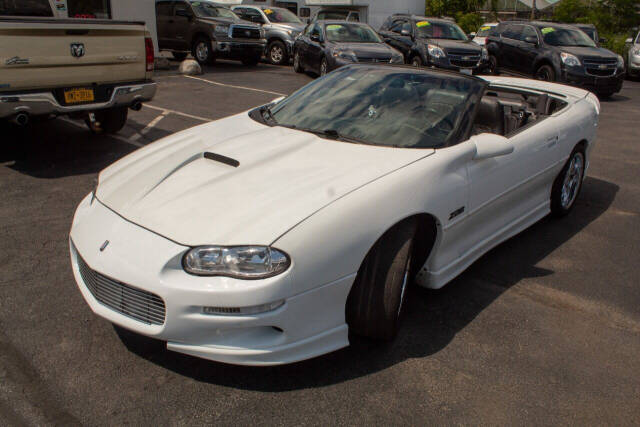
x,y
545,328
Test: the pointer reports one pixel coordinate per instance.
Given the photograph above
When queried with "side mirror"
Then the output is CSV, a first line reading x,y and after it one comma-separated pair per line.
x,y
531,40
472,35
316,38
184,13
405,33
489,145
629,41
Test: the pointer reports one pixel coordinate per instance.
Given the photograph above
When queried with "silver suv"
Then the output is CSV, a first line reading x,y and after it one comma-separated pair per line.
x,y
632,59
281,28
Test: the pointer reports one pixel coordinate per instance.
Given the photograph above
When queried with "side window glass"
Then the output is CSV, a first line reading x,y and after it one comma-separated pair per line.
x,y
354,17
164,9
396,27
528,32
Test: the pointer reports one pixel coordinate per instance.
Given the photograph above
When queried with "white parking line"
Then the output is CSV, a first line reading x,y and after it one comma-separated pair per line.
x,y
178,113
235,87
118,137
150,126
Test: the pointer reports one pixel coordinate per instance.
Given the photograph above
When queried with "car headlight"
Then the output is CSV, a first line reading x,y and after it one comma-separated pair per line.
x,y
346,54
221,29
635,51
435,51
240,262
570,60
620,62
397,58
485,54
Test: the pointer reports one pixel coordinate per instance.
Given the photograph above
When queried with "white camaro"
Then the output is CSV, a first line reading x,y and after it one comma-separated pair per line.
x,y
263,238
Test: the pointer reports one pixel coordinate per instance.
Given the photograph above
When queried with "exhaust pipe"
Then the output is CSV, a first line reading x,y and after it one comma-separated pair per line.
x,y
21,119
136,106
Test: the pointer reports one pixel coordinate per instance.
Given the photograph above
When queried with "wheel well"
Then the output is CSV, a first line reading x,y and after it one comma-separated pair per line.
x,y
197,36
541,63
274,39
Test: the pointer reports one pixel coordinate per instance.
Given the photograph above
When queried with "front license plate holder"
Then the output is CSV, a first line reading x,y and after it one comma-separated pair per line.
x,y
79,96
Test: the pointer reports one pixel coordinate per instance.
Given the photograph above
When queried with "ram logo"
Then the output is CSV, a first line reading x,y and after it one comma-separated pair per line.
x,y
77,50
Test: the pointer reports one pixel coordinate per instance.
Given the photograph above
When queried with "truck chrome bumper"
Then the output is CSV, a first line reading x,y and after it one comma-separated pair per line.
x,y
45,103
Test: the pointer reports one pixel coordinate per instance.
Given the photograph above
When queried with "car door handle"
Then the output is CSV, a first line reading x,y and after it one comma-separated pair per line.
x,y
551,142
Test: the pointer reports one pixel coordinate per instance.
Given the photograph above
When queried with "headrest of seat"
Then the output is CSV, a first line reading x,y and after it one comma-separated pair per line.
x,y
491,114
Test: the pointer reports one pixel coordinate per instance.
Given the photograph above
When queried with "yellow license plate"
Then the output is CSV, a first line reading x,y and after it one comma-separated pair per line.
x,y
75,96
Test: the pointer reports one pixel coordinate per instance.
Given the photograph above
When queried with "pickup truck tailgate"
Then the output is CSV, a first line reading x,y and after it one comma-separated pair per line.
x,y
50,53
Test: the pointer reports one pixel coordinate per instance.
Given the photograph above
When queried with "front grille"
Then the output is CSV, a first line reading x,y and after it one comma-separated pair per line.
x,y
601,73
374,60
245,33
463,59
134,303
600,67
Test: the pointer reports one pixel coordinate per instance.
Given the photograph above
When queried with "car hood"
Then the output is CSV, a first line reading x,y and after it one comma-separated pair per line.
x,y
284,176
367,50
452,45
211,20
290,26
589,52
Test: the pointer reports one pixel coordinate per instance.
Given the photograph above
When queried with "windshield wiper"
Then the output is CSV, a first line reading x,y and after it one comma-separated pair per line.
x,y
328,134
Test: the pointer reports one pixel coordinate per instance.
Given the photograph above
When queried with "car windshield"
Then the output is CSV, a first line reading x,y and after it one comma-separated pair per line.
x,y
351,33
384,106
590,32
440,30
211,10
281,16
557,36
484,31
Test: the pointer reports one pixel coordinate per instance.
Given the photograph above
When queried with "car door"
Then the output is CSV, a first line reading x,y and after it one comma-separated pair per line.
x,y
183,17
504,191
315,49
510,47
302,44
396,39
527,52
165,22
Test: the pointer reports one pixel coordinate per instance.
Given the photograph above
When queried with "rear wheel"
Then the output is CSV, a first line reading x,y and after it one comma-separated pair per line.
x,y
546,73
297,65
179,56
568,184
277,53
376,300
416,61
202,51
109,121
493,65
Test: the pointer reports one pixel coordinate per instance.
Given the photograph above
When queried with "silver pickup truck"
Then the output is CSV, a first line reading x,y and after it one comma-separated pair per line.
x,y
91,69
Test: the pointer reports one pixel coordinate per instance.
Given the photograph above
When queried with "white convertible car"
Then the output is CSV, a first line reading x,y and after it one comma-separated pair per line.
x,y
265,237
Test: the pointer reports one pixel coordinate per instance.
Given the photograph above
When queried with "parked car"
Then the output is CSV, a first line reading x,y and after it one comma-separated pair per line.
x,y
433,42
555,52
208,31
327,45
633,56
265,237
591,31
337,14
88,69
483,32
281,28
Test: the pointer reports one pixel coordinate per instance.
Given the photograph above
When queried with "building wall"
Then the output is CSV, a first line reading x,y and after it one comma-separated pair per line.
x,y
137,10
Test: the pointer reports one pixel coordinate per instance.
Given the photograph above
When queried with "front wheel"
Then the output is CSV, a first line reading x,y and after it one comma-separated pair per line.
x,y
568,184
375,303
277,53
202,51
416,61
324,67
297,65
109,121
493,65
546,73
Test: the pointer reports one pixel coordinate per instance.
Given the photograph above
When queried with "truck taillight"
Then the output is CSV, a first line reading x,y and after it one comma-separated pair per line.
x,y
150,53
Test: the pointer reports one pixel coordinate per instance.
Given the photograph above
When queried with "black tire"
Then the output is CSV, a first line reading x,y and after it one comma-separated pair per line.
x,y
277,53
324,67
251,61
416,61
546,73
374,306
570,179
297,65
492,68
202,51
179,56
109,121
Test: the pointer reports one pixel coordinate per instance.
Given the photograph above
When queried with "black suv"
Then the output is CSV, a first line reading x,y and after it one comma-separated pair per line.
x,y
555,52
208,31
433,42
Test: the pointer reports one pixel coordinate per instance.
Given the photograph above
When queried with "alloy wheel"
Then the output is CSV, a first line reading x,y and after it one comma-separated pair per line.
x,y
572,180
202,51
276,54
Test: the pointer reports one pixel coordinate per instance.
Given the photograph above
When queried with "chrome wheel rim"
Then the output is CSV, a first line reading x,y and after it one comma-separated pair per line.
x,y
323,68
405,282
572,181
544,75
276,54
202,51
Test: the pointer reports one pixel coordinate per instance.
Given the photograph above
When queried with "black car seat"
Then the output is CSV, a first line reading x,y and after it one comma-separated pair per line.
x,y
490,117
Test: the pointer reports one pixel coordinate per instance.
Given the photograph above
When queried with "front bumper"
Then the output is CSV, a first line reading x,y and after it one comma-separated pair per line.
x,y
598,85
477,67
633,66
307,325
238,49
46,103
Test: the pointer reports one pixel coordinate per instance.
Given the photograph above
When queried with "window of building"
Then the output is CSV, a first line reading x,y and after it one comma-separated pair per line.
x,y
89,9
25,8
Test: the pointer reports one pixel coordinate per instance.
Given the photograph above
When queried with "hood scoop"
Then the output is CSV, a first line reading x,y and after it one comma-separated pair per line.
x,y
222,159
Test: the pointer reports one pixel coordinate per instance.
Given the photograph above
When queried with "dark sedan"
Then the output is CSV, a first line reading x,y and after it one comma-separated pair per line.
x,y
327,45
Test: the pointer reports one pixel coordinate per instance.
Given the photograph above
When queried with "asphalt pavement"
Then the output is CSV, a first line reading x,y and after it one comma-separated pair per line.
x,y
545,329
